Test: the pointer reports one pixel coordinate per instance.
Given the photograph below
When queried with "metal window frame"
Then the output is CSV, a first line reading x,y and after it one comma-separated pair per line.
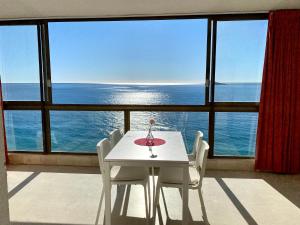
x,y
45,105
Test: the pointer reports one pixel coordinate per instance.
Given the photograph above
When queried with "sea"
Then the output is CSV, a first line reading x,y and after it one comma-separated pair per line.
x,y
79,131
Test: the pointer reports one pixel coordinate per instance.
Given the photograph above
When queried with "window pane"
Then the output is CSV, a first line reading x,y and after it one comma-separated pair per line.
x,y
24,130
19,63
186,122
118,62
235,134
239,60
80,131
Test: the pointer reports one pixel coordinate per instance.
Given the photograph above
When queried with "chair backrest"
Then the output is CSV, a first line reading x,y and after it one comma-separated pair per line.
x,y
103,148
202,159
115,136
197,141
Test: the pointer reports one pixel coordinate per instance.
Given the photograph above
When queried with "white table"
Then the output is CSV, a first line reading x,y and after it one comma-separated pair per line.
x,y
127,153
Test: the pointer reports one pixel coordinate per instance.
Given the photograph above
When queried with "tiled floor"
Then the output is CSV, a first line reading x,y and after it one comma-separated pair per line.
x,y
71,196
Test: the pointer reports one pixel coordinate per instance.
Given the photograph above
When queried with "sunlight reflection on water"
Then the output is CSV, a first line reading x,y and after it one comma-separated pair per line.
x,y
140,97
80,131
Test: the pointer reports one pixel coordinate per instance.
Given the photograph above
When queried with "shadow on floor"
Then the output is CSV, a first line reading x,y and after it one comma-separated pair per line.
x,y
54,169
287,185
170,221
22,184
243,211
119,216
33,223
179,222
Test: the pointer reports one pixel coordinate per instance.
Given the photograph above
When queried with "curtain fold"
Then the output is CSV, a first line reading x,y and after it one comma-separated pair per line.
x,y
278,134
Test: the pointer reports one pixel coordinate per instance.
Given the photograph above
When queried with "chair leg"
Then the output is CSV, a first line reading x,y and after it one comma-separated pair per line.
x,y
200,191
157,193
149,197
99,207
153,184
156,202
146,203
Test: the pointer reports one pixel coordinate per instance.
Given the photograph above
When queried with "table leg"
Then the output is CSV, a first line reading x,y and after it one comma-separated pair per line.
x,y
153,186
107,187
185,195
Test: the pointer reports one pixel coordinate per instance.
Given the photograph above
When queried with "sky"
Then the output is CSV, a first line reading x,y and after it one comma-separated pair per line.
x,y
155,51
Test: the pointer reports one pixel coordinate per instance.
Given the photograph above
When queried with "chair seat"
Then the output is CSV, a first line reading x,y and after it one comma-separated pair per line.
x,y
173,175
127,173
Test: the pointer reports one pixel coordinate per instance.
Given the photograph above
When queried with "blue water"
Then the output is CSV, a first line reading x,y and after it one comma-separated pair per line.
x,y
80,131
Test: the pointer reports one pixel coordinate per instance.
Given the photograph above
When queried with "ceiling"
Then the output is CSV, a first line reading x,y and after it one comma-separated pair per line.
x,y
30,9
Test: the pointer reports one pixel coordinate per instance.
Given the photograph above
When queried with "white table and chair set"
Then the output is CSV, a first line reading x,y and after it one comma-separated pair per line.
x,y
119,157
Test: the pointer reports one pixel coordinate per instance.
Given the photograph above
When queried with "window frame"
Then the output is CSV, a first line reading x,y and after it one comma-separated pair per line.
x,y
46,104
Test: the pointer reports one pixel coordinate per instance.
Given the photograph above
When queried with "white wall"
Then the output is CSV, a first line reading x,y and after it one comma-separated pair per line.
x,y
4,211
16,9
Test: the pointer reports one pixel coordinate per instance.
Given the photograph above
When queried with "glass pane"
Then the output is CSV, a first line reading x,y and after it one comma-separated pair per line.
x,y
23,130
239,60
129,62
235,134
80,131
186,122
19,63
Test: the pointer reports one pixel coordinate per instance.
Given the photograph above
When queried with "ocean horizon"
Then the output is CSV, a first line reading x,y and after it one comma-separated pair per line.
x,y
136,83
79,131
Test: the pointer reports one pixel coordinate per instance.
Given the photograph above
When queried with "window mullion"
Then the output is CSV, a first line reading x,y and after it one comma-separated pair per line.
x,y
46,84
212,89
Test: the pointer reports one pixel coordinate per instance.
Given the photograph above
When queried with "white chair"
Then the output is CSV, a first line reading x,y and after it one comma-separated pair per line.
x,y
197,141
172,176
124,175
114,137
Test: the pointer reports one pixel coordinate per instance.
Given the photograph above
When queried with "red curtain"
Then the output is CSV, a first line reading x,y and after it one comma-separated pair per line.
x,y
278,134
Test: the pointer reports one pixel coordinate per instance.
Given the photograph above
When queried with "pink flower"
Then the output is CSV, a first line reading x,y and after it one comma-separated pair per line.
x,y
152,121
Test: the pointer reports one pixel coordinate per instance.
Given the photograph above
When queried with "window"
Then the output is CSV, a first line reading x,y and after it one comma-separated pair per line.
x,y
19,63
235,134
75,131
23,130
129,62
104,75
185,122
239,60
